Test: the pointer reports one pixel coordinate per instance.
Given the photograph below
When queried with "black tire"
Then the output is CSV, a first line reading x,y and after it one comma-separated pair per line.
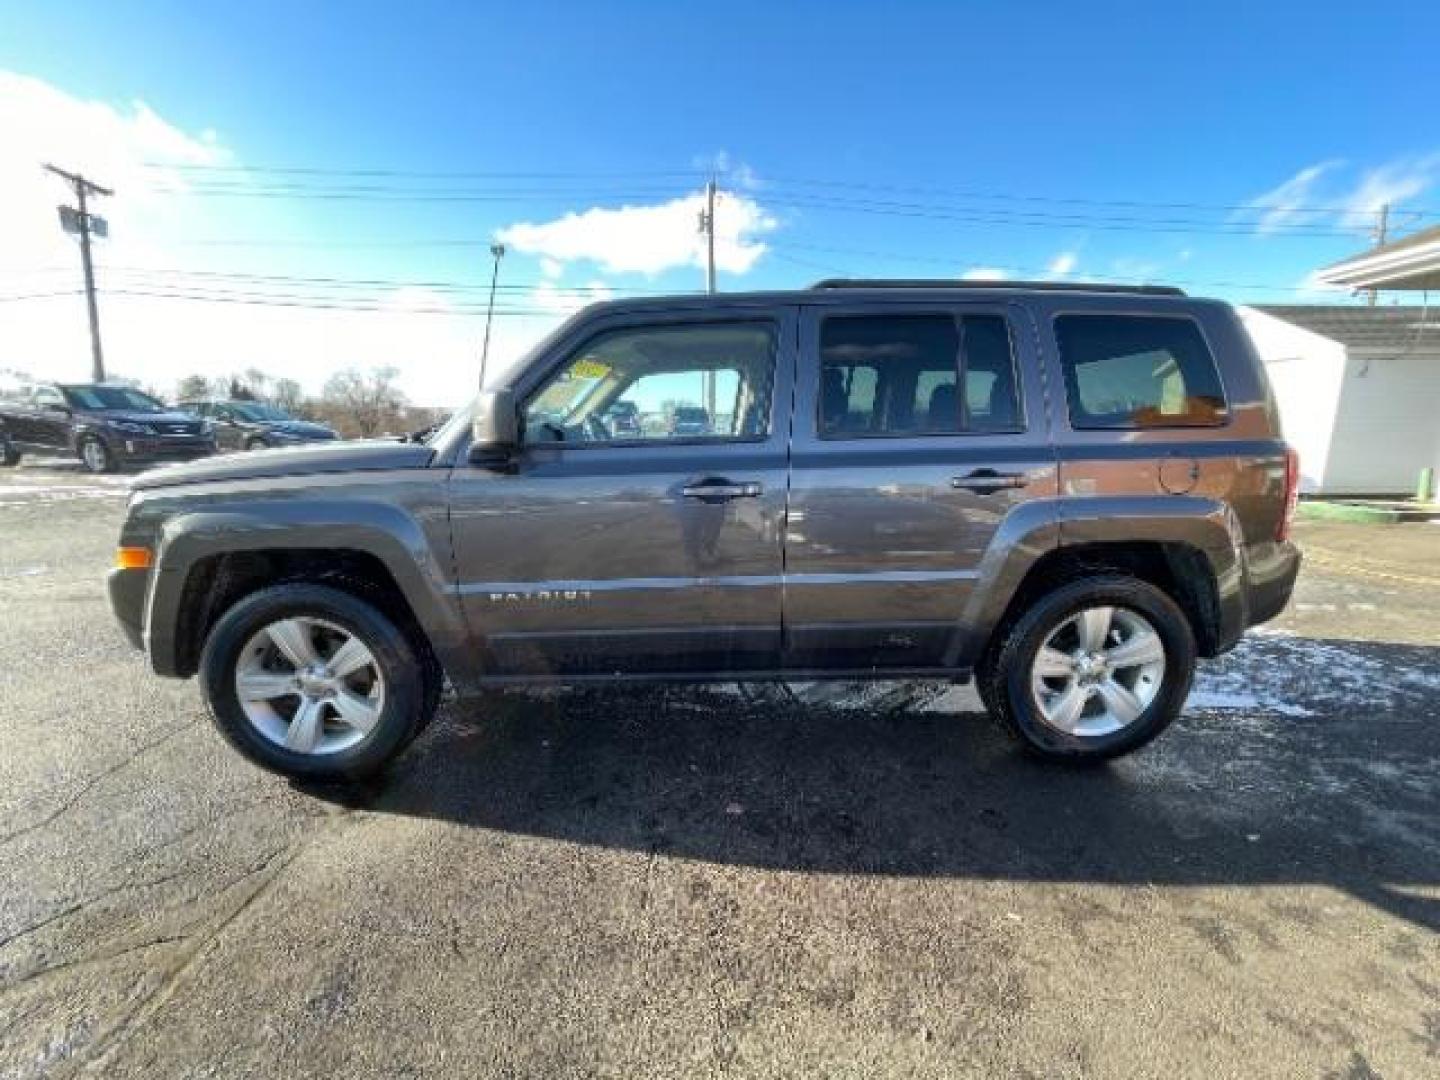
x,y
9,456
95,455
257,443
410,696
1008,691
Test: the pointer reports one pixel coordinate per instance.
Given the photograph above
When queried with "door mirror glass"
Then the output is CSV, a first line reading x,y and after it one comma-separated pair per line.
x,y
495,430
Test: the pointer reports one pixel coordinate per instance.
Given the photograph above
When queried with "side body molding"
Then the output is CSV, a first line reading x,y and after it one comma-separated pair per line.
x,y
416,552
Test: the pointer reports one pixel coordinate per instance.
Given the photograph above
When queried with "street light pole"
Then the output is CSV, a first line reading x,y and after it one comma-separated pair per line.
x,y
498,251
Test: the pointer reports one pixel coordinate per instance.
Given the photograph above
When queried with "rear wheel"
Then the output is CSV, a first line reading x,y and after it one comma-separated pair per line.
x,y
1094,669
95,455
9,456
257,443
314,683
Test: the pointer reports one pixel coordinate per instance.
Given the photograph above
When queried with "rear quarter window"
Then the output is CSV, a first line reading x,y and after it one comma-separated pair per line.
x,y
1138,371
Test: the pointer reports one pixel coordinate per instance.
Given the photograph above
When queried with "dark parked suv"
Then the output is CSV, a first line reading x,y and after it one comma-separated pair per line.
x,y
254,425
104,426
1065,493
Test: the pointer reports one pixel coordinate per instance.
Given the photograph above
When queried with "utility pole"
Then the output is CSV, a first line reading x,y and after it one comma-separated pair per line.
x,y
1382,229
498,251
78,219
707,226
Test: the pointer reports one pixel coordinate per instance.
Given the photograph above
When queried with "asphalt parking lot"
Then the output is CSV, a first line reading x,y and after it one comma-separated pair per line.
x,y
839,881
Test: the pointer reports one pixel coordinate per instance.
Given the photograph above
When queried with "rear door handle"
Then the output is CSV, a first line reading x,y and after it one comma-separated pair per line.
x,y
719,491
988,480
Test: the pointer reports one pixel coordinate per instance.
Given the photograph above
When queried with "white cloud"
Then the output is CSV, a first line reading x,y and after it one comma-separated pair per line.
x,y
650,239
1063,264
551,268
1389,184
1313,196
559,300
985,273
434,339
1286,203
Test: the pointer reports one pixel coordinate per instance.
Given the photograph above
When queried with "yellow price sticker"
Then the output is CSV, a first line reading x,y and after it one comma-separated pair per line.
x,y
589,369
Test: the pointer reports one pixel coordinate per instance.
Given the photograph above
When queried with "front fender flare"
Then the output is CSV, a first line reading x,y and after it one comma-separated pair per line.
x,y
383,530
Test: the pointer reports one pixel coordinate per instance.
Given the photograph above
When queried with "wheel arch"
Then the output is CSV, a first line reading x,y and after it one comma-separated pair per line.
x,y
207,561
1189,548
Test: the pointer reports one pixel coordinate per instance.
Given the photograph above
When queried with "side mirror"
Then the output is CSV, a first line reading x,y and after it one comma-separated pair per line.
x,y
495,431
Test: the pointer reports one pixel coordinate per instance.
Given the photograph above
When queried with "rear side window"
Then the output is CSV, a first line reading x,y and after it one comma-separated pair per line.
x,y
900,374
1138,371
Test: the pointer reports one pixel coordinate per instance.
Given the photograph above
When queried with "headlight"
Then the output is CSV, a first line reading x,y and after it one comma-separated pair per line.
x,y
126,425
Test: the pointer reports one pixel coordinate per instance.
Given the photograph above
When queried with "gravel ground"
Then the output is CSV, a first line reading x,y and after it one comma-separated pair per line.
x,y
838,880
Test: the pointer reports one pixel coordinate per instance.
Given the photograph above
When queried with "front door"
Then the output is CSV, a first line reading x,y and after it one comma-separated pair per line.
x,y
638,530
918,429
50,421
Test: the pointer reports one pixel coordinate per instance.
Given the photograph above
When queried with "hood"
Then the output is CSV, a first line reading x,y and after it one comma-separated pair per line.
x,y
326,457
303,428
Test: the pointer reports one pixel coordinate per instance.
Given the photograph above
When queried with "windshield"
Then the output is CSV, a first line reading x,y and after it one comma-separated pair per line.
x,y
257,412
110,397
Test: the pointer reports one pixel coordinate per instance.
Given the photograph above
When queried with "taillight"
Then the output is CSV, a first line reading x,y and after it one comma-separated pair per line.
x,y
1292,493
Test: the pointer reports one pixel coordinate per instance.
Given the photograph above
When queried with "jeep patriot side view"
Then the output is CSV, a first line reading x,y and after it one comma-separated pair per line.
x,y
1067,493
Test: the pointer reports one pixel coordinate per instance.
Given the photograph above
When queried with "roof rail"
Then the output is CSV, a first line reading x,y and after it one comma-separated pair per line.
x,y
1040,286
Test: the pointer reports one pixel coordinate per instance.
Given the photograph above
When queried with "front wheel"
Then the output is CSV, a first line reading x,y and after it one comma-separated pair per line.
x,y
257,443
96,456
9,456
311,682
1095,669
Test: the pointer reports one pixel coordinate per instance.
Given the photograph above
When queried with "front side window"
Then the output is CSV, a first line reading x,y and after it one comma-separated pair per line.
x,y
46,398
702,381
903,374
1138,371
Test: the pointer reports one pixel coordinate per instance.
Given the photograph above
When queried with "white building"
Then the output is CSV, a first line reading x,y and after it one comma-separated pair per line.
x,y
1359,391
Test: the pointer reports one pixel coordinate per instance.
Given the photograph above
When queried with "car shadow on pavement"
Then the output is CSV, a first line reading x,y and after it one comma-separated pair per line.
x,y
1346,797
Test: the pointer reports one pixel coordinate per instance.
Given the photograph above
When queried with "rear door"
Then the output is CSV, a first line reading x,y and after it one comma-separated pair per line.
x,y
917,430
612,549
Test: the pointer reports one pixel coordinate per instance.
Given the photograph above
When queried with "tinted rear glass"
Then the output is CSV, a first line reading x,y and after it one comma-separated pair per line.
x,y
1138,371
916,374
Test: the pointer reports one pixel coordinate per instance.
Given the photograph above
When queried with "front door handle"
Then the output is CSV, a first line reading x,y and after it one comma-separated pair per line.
x,y
988,480
719,491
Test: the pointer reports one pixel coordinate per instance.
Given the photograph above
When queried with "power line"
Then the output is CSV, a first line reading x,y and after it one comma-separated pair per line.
x,y
1032,272
465,174
385,283
759,185
321,303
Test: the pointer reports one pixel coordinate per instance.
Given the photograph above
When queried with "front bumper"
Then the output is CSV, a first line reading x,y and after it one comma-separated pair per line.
x,y
127,589
149,448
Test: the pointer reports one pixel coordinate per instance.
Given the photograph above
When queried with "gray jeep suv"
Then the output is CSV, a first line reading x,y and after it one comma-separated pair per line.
x,y
1065,493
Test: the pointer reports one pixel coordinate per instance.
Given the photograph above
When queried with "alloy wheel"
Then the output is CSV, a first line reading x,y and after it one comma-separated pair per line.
x,y
1098,671
309,685
94,456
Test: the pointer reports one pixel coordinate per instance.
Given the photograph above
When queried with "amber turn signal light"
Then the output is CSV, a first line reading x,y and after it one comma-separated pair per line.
x,y
133,558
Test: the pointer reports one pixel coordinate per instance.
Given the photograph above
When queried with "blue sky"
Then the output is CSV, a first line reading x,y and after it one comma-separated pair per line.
x,y
1104,140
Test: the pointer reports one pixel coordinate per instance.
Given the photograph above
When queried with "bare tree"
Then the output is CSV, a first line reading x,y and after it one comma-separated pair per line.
x,y
192,388
288,395
363,404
